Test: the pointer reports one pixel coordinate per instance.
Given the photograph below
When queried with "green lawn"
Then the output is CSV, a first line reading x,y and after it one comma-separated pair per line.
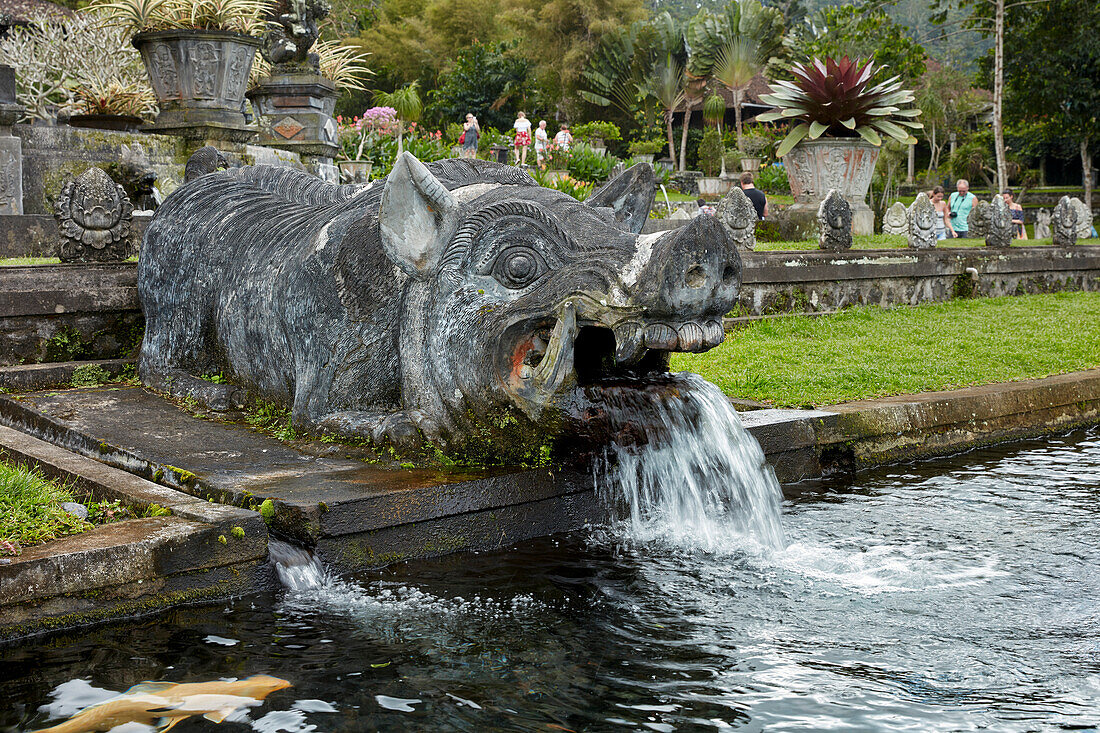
x,y
892,241
30,510
864,352
20,261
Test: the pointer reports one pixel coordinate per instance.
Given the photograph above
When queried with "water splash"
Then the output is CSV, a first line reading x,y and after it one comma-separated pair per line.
x,y
700,480
298,569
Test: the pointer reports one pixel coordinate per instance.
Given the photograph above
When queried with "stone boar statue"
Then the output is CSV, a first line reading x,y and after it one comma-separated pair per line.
x,y
455,304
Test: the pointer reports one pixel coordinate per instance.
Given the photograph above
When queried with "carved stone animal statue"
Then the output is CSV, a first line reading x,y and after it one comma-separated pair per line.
x,y
834,217
922,223
896,219
978,221
207,159
1042,224
94,218
1064,224
456,302
1000,224
738,215
138,177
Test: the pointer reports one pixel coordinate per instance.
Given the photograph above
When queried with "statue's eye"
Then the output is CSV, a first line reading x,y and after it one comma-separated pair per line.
x,y
518,267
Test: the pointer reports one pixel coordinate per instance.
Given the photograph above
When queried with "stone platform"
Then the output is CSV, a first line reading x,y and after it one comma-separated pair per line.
x,y
354,513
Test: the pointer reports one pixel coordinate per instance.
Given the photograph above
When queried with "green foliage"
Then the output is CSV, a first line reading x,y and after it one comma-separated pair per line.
x,y
156,510
272,419
753,30
66,344
772,179
491,81
861,31
90,375
579,190
598,129
267,510
30,509
710,152
646,147
215,378
406,101
237,532
585,164
867,352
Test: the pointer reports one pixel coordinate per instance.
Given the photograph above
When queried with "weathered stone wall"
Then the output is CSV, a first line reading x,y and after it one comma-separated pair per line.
x,y
54,313
52,153
784,282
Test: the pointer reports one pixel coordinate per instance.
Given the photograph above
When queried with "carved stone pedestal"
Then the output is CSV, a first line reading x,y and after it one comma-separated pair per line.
x,y
814,167
294,112
11,148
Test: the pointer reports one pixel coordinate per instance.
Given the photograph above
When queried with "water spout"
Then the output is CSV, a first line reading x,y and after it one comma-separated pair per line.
x,y
668,204
298,569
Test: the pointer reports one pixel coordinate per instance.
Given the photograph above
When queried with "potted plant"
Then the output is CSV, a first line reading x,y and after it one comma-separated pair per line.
x,y
555,159
752,148
643,150
840,116
596,134
356,136
113,105
198,55
710,160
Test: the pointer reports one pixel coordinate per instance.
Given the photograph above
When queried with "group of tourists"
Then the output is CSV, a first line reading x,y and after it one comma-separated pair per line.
x,y
954,213
521,141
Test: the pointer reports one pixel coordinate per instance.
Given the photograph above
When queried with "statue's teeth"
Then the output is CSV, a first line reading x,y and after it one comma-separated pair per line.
x,y
628,343
661,336
691,336
713,333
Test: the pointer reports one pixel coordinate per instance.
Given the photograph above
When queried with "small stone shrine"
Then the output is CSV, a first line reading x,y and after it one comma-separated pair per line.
x,y
11,147
999,233
94,219
1064,224
834,217
896,220
738,215
922,223
1042,224
1084,218
978,221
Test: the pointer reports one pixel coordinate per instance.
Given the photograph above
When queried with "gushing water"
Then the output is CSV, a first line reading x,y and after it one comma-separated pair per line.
x,y
298,569
700,481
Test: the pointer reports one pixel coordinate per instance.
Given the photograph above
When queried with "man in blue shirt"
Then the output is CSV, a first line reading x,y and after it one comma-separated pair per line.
x,y
959,206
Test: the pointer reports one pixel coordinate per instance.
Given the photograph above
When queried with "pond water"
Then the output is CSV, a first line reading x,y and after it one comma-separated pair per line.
x,y
955,594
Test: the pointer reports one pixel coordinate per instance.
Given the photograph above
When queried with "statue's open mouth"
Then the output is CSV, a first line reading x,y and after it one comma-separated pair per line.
x,y
549,359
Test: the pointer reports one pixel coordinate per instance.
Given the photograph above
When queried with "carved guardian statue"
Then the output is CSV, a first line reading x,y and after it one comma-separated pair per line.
x,y
1000,229
1042,224
922,223
834,217
738,215
978,221
1064,224
896,220
456,303
94,219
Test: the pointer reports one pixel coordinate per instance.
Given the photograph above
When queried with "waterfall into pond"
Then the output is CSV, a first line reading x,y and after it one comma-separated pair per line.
x,y
696,479
298,569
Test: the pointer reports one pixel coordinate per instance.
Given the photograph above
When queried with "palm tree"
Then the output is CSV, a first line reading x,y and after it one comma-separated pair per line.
x,y
736,66
406,103
667,87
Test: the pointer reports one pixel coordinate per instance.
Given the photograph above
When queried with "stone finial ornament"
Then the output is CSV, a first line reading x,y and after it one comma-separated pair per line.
x,y
203,161
292,31
834,217
922,223
1084,218
896,219
94,219
1064,224
456,303
1000,229
138,177
1042,224
738,216
978,221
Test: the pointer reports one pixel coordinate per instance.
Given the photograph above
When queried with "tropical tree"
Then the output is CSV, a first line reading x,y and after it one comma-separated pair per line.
x,y
737,65
406,103
667,87
492,82
947,100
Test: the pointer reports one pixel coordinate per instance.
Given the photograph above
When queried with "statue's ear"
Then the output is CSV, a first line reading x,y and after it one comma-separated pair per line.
x,y
417,216
629,195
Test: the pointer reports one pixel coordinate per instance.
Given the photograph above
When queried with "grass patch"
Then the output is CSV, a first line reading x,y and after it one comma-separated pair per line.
x,y
22,261
30,509
867,352
889,241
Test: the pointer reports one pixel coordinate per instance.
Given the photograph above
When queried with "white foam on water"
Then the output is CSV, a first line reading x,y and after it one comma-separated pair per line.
x,y
400,704
298,569
701,482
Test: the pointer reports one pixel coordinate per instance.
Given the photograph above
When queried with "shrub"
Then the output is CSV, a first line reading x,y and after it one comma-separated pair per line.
x,y
586,164
90,375
772,179
710,152
647,147
601,130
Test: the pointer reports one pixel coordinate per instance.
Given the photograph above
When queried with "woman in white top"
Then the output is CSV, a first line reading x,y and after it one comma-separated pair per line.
x,y
542,139
564,138
522,127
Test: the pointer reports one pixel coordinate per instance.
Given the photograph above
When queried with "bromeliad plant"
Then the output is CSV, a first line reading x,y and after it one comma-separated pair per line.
x,y
247,17
838,98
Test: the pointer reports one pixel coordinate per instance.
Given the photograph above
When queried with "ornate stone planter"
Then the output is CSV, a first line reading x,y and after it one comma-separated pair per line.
x,y
199,78
644,159
294,112
750,165
714,186
814,167
354,171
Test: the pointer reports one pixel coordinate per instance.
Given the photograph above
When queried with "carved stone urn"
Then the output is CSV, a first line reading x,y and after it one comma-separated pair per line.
x,y
199,77
814,167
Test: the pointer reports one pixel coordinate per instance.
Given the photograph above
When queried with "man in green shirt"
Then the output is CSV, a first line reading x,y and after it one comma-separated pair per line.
x,y
959,205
